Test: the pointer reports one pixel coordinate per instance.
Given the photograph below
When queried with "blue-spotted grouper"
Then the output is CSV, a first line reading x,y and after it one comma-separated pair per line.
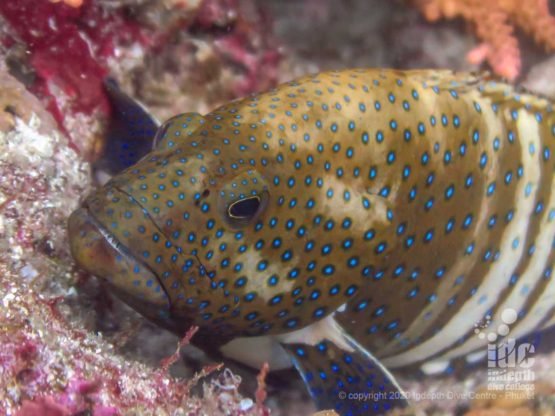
x,y
346,222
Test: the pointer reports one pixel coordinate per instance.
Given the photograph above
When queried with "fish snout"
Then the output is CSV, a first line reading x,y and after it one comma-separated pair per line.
x,y
100,253
88,246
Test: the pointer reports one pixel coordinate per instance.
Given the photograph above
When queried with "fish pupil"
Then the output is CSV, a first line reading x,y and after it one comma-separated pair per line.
x,y
244,208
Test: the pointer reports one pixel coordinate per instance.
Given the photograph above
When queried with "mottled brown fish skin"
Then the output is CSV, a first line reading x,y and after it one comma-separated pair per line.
x,y
399,194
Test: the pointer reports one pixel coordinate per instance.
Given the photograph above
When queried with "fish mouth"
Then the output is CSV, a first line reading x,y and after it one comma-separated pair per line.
x,y
101,253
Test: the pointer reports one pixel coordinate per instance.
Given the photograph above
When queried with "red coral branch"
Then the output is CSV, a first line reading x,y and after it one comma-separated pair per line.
x,y
261,393
186,340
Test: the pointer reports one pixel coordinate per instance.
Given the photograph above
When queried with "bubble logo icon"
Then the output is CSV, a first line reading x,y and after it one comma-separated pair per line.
x,y
509,361
503,351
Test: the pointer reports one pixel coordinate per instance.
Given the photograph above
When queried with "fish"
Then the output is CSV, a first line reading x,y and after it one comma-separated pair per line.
x,y
349,223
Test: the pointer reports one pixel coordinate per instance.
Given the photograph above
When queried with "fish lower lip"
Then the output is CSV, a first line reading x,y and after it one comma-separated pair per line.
x,y
101,253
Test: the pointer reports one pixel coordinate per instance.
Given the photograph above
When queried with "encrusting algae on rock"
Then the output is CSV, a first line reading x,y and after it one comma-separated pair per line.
x,y
47,365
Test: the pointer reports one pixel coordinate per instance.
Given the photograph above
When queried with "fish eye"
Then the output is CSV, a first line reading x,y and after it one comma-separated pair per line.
x,y
244,209
243,198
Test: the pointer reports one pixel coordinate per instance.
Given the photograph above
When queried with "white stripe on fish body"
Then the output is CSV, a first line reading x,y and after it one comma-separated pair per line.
x,y
470,312
539,273
533,274
550,303
445,343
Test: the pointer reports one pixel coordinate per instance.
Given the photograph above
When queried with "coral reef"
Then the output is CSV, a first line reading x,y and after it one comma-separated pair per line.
x,y
327,34
67,51
66,345
47,365
494,22
68,57
51,361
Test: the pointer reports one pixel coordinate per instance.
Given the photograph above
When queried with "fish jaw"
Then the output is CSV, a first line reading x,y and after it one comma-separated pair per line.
x,y
100,253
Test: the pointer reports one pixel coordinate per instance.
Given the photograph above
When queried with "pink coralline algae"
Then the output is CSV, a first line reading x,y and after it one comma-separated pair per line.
x,y
48,368
79,396
50,363
69,50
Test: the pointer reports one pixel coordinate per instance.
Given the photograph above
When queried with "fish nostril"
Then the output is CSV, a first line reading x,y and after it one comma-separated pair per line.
x,y
204,194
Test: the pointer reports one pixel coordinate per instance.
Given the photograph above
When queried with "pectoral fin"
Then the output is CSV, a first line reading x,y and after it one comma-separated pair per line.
x,y
342,376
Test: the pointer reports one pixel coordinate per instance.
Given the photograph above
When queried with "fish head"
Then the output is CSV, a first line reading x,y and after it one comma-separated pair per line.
x,y
219,229
163,233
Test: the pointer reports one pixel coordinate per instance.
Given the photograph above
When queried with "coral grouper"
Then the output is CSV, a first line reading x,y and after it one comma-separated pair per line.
x,y
347,223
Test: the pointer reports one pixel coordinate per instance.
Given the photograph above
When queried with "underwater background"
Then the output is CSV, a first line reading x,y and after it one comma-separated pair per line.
x,y
69,347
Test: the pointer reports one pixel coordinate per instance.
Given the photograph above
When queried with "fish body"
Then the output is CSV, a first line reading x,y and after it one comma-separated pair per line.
x,y
349,221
